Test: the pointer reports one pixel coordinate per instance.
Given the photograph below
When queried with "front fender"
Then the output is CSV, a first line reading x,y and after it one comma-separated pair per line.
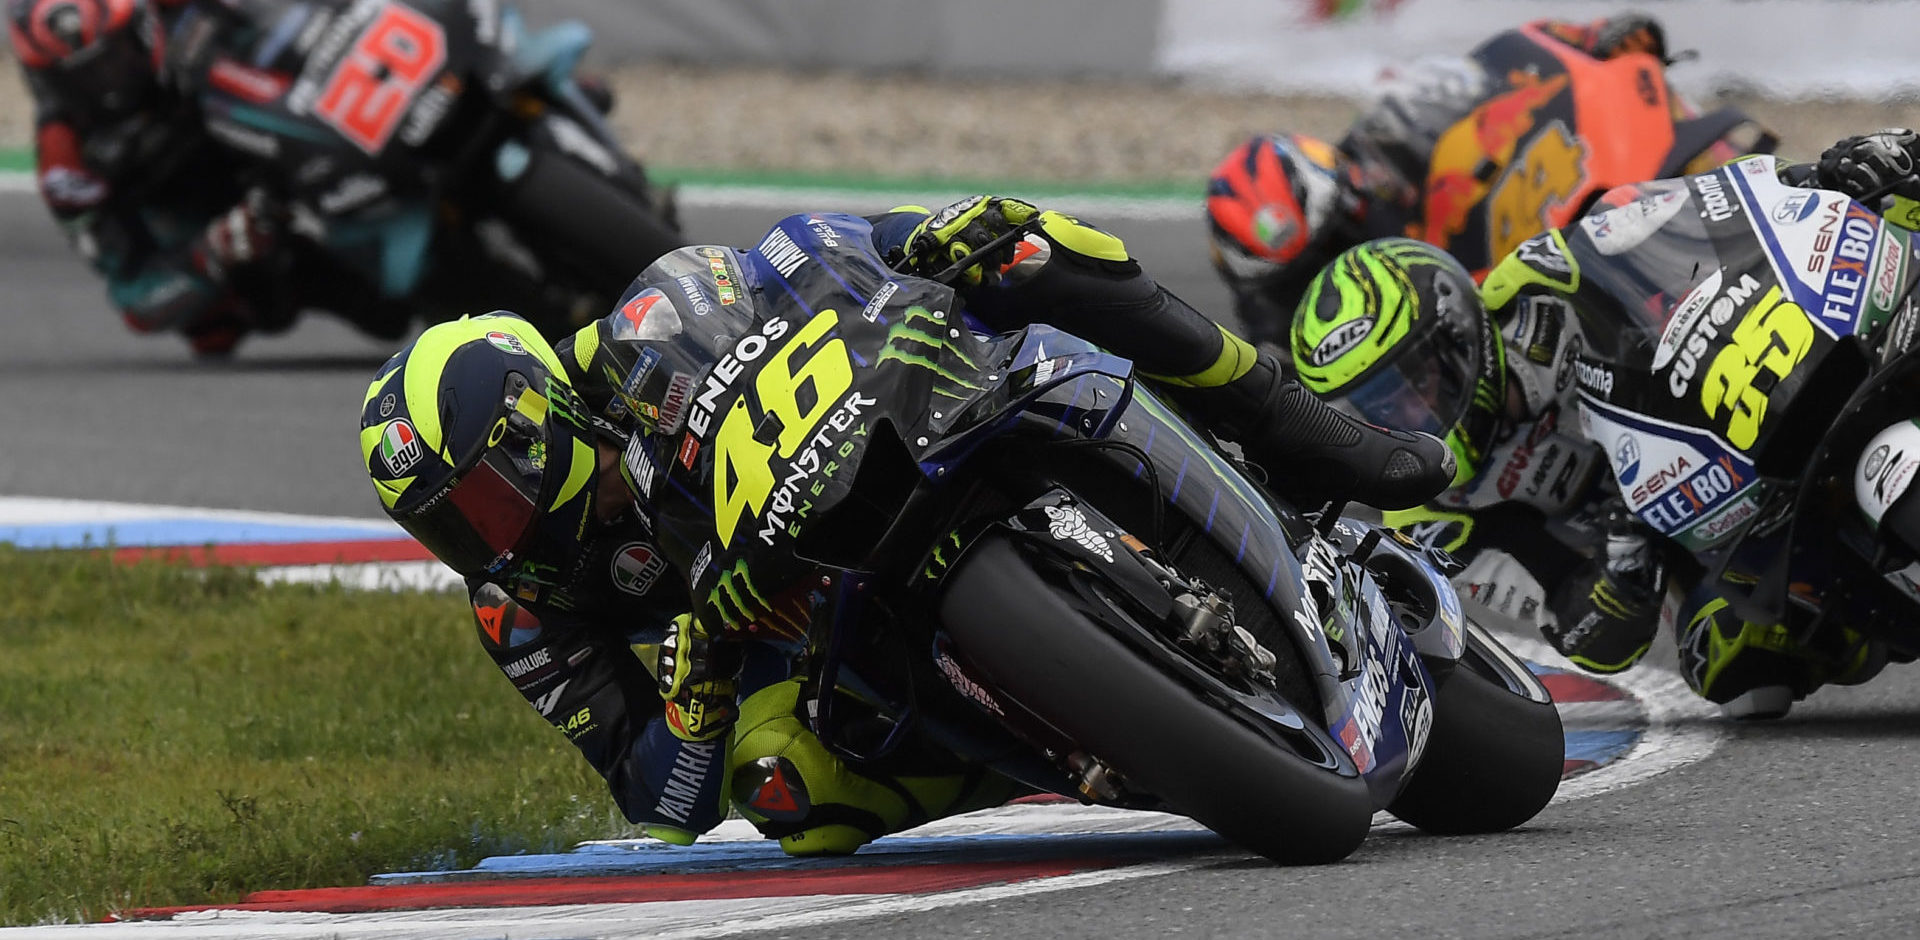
x,y
1432,616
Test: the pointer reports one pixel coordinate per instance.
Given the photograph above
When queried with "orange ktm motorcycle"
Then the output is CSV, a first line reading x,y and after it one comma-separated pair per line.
x,y
1525,133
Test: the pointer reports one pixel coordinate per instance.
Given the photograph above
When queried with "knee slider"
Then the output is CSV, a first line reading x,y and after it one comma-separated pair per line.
x,y
792,788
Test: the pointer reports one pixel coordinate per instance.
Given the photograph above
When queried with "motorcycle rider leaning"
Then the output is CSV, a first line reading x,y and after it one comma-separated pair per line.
x,y
502,455
1545,536
126,168
1281,205
139,178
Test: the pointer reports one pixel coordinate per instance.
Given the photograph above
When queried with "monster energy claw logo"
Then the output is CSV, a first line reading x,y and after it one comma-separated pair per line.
x,y
735,598
918,339
939,563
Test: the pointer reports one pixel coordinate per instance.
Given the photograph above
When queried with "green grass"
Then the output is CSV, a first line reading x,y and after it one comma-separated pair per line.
x,y
171,736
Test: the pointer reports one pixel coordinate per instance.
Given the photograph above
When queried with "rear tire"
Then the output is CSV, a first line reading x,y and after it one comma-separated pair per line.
x,y
1026,640
1493,759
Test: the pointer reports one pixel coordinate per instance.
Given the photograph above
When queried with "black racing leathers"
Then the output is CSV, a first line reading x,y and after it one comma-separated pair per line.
x,y
562,629
1113,304
1310,451
585,679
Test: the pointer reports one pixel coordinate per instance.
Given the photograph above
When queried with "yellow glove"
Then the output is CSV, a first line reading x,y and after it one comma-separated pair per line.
x,y
697,676
961,229
968,225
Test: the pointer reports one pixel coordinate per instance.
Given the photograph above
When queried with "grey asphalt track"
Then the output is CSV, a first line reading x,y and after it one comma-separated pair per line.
x,y
1801,828
92,411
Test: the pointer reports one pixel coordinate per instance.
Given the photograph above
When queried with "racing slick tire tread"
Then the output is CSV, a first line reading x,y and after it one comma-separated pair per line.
x,y
1029,643
1492,761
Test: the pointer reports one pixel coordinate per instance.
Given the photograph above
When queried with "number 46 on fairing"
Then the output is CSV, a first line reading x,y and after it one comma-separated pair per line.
x,y
809,368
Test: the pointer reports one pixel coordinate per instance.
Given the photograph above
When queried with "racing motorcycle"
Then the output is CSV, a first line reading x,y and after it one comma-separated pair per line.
x,y
1006,548
1526,132
1744,341
435,156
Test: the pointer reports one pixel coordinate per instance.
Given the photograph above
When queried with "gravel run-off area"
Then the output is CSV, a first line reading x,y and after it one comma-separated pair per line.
x,y
912,127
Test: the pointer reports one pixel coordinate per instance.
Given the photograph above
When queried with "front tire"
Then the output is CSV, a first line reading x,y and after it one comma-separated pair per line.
x,y
1029,642
1493,759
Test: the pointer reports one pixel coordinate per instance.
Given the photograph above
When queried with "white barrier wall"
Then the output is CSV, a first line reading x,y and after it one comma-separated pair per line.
x,y
1783,48
1006,37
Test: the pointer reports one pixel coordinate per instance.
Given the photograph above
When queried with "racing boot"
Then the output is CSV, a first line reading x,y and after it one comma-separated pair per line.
x,y
786,782
1310,450
1089,285
1756,671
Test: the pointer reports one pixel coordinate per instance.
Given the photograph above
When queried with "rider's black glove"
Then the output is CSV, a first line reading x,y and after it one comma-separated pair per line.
x,y
1881,162
1629,32
1613,625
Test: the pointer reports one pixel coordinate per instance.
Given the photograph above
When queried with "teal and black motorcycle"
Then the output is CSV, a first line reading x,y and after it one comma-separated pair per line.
x,y
435,157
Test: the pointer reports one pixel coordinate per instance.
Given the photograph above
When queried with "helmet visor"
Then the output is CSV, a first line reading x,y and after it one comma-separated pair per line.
x,y
111,77
486,515
1416,393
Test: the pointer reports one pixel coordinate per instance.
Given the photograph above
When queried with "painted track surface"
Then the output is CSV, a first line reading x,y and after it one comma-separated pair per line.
x,y
1799,828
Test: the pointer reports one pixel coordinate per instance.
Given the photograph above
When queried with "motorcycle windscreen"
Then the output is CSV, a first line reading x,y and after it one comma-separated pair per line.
x,y
1650,251
111,78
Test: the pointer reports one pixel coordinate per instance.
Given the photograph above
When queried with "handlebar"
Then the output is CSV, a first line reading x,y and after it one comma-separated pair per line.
x,y
950,273
1872,198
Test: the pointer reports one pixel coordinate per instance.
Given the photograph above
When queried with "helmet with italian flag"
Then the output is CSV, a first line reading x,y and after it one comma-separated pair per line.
x,y
477,443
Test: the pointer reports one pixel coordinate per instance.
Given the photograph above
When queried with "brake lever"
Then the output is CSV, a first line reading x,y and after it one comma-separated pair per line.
x,y
1873,197
950,273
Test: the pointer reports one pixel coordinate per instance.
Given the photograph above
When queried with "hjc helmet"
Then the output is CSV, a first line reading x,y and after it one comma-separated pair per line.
x,y
1281,202
102,56
1394,329
479,446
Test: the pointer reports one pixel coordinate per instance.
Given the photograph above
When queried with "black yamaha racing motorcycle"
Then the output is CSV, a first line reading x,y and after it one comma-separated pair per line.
x,y
1745,341
1005,547
436,157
